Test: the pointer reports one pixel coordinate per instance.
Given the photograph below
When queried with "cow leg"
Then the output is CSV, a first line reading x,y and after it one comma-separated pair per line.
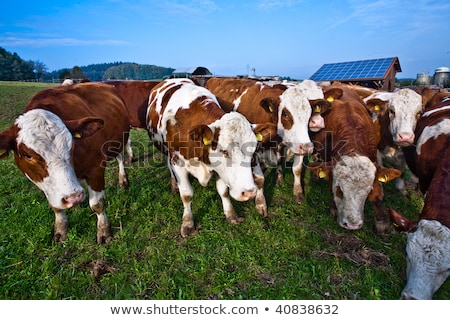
x,y
186,193
129,151
97,204
260,199
382,222
228,209
123,180
61,226
297,171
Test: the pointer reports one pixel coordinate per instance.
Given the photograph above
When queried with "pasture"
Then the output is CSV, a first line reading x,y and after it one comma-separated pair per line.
x,y
298,252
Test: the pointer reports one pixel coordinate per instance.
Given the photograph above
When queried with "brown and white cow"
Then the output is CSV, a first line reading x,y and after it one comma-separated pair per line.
x,y
66,134
395,114
347,152
286,106
199,138
428,242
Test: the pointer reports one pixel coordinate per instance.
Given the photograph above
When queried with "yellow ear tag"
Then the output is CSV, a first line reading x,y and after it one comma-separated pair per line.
x,y
206,141
259,137
318,109
322,174
330,99
270,109
376,108
77,135
383,179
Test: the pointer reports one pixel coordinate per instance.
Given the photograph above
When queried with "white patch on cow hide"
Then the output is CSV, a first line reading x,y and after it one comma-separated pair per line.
x,y
237,101
432,132
428,259
354,175
311,89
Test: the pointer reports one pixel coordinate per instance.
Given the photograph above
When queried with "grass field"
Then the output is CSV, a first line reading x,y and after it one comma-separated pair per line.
x,y
298,252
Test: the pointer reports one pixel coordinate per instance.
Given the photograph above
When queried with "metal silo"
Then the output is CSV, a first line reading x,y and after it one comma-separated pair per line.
x,y
441,76
423,78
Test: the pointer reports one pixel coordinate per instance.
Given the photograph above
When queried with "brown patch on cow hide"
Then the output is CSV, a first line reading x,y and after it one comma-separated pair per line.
x,y
352,248
97,267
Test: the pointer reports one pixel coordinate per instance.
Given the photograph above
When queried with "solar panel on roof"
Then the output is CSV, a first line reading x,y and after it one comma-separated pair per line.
x,y
365,69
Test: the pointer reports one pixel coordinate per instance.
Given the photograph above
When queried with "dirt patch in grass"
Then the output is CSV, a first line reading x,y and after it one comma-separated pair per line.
x,y
352,248
97,267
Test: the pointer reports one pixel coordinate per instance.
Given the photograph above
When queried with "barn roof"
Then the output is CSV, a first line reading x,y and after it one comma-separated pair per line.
x,y
363,70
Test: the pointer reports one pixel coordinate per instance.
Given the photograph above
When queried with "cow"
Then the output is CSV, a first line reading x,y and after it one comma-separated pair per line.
x,y
66,134
67,82
286,106
428,239
395,114
186,123
347,156
135,95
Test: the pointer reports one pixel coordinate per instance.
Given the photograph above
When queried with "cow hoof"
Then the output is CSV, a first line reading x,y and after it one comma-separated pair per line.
x,y
187,229
123,182
262,210
299,198
235,219
104,236
383,227
59,237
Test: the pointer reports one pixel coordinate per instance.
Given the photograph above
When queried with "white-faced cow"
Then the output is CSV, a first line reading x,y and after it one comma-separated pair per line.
x,y
428,241
287,107
66,134
347,151
395,115
186,122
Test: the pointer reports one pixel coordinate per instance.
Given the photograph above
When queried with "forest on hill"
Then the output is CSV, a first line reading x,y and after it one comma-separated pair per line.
x,y
14,68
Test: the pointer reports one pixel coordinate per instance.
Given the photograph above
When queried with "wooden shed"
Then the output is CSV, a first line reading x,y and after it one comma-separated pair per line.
x,y
375,73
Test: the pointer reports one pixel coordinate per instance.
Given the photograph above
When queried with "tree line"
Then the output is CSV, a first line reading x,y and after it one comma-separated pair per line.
x,y
14,68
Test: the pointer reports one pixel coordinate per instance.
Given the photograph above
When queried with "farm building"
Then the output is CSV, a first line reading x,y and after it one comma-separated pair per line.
x,y
375,73
189,72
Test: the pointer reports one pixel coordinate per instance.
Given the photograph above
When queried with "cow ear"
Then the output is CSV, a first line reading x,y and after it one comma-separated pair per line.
x,y
269,104
85,127
400,222
320,106
333,94
7,142
265,132
202,134
387,174
376,106
321,169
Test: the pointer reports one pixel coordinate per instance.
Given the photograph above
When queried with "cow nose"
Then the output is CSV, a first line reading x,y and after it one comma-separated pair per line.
x,y
247,195
405,138
306,148
350,226
73,199
316,123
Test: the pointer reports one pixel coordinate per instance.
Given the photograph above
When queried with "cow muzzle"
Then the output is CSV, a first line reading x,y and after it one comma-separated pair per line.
x,y
305,148
404,139
247,195
73,199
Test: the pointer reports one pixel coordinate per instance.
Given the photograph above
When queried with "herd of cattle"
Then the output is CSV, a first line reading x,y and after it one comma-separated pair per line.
x,y
234,129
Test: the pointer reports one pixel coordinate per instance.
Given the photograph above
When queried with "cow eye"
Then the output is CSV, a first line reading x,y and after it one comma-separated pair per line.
x,y
27,156
391,113
284,114
225,153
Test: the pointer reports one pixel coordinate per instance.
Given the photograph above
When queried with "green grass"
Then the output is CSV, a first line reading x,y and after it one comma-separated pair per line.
x,y
298,252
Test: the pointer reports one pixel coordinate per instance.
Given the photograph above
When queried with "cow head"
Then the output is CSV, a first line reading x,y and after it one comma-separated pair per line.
x,y
427,258
293,117
352,180
42,145
404,108
230,147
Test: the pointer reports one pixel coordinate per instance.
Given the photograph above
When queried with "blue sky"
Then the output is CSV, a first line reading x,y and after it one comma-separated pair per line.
x,y
273,37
